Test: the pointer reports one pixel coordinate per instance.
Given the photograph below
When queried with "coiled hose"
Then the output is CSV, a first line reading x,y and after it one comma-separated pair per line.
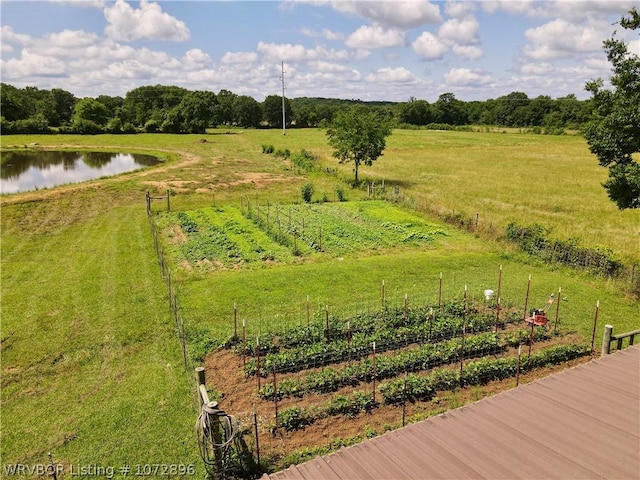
x,y
216,431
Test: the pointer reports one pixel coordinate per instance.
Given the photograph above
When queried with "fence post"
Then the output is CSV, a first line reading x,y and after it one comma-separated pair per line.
x,y
168,204
606,340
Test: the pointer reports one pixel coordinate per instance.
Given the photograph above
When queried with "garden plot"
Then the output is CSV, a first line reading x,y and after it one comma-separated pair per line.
x,y
256,235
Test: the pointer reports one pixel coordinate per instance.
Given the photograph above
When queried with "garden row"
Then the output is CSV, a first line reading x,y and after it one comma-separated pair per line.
x,y
340,339
331,379
340,228
420,388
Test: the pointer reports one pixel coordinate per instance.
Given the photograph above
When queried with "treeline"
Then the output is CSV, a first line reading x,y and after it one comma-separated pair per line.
x,y
171,109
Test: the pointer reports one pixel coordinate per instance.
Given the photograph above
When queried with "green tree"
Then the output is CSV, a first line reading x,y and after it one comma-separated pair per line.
x,y
359,135
247,111
415,112
198,111
91,110
613,134
272,106
448,109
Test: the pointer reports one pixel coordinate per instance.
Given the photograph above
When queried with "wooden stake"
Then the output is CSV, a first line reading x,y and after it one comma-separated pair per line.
x,y
255,428
374,372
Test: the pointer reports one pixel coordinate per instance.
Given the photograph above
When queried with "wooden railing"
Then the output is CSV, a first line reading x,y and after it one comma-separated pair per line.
x,y
609,337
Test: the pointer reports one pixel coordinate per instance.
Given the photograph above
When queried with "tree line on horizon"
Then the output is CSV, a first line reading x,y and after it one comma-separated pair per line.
x,y
172,109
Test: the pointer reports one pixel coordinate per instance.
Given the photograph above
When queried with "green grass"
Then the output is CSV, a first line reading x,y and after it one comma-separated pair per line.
x,y
91,365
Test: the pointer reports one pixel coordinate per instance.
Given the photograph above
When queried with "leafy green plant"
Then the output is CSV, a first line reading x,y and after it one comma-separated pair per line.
x,y
307,192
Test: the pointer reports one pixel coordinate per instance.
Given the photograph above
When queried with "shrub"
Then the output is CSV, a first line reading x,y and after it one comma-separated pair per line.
x,y
268,149
341,195
304,160
307,192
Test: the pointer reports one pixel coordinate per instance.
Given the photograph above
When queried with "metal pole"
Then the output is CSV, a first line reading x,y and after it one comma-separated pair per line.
x,y
440,293
255,428
308,311
382,295
606,340
235,321
326,329
258,361
595,323
464,328
275,392
526,298
555,325
244,343
497,314
518,368
374,372
405,309
404,400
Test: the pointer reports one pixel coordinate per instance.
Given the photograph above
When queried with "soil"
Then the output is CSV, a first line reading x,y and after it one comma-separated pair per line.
x,y
237,395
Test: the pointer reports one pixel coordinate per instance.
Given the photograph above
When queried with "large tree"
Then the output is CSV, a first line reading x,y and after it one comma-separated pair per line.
x,y
359,135
614,133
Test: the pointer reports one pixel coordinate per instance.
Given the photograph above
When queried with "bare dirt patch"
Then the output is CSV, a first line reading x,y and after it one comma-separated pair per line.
x,y
238,396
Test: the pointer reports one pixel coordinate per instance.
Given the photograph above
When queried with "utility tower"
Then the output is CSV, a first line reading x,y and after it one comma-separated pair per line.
x,y
284,122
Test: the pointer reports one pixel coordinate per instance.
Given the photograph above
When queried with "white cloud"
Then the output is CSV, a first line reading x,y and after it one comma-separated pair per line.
x,y
466,77
32,64
470,52
459,9
562,39
298,53
7,35
391,75
325,33
196,58
394,14
515,7
461,31
149,21
231,58
537,68
375,36
429,47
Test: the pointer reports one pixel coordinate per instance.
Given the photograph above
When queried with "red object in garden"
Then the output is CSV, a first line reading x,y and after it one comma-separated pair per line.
x,y
537,317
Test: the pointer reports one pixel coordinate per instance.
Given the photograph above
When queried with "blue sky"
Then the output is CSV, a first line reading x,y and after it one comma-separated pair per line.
x,y
368,50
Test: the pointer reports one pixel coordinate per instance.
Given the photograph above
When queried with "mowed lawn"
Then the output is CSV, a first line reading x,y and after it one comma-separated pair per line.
x,y
91,365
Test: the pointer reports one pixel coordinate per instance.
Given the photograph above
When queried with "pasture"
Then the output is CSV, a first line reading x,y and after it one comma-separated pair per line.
x,y
91,363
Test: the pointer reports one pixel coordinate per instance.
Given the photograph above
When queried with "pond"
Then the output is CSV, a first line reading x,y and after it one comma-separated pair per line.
x,y
32,170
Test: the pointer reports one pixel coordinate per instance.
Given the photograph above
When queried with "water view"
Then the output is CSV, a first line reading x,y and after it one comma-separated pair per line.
x,y
32,170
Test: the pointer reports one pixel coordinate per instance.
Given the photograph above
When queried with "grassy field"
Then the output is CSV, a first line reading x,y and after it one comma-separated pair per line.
x,y
91,365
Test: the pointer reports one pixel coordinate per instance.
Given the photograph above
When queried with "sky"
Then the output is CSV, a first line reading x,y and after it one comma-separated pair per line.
x,y
368,50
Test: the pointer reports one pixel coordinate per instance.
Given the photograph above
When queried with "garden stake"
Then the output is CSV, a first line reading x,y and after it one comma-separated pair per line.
x,y
382,295
244,343
499,281
374,372
497,314
555,325
275,393
349,339
526,298
308,311
430,322
326,330
518,368
440,293
404,400
530,342
405,309
255,429
258,360
464,331
54,472
595,322
235,322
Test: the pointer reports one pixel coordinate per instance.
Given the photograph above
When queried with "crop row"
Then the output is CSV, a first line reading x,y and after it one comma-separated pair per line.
x,y
419,388
355,346
428,356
